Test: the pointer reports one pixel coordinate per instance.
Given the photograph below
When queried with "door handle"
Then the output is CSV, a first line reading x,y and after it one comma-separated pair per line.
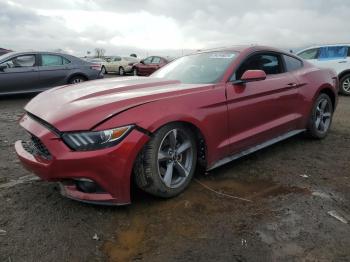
x,y
342,62
292,85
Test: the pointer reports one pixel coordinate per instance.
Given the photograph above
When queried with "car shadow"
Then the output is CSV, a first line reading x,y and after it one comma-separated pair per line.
x,y
17,96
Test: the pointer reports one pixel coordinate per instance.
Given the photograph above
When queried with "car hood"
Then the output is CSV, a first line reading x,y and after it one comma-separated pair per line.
x,y
83,106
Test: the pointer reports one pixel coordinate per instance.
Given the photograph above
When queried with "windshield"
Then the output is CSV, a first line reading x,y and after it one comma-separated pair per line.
x,y
203,68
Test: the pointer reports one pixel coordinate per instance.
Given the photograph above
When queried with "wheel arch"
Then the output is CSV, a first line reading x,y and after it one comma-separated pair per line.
x,y
344,73
202,149
328,91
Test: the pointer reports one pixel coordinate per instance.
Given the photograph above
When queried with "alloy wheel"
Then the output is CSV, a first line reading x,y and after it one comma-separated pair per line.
x,y
77,80
175,158
346,85
323,116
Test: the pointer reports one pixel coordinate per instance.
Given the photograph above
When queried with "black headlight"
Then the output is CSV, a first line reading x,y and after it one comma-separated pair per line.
x,y
92,140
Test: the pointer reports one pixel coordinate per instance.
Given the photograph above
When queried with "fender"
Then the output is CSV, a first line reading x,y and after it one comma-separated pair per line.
x,y
208,115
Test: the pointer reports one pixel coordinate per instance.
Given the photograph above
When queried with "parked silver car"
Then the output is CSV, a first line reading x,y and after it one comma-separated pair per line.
x,y
119,65
29,72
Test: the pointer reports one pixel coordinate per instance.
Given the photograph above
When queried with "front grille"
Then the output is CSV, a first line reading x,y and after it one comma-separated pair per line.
x,y
35,147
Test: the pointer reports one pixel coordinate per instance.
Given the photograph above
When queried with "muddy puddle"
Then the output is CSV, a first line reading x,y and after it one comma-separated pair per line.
x,y
157,227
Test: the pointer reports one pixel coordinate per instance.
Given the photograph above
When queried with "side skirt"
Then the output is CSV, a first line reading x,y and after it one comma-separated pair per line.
x,y
255,148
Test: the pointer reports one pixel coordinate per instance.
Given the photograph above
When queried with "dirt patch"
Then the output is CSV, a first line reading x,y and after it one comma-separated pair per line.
x,y
251,190
185,217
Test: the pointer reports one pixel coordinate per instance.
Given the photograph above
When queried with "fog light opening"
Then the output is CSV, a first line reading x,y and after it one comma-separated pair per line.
x,y
87,186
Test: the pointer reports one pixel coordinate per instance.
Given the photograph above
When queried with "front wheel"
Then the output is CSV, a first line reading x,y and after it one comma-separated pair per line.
x,y
345,85
121,71
104,71
166,165
321,117
134,71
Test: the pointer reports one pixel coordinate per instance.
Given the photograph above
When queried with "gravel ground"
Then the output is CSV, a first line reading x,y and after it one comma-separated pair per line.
x,y
289,187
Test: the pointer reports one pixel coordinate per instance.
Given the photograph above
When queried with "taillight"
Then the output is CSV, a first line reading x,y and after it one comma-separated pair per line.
x,y
96,67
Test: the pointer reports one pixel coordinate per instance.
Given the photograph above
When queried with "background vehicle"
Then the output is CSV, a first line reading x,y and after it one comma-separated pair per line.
x,y
116,64
207,108
132,61
27,72
149,65
4,51
336,57
98,61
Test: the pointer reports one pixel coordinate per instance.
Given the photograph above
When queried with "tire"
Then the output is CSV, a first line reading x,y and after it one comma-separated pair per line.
x,y
134,71
321,117
76,80
104,71
345,85
162,171
121,71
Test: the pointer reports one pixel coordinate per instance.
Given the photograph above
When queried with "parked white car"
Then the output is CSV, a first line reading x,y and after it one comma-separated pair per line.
x,y
336,57
118,64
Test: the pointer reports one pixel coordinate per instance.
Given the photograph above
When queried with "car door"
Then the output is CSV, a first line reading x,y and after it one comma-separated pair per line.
x,y
116,64
53,70
155,64
19,74
107,64
262,110
143,66
334,57
110,65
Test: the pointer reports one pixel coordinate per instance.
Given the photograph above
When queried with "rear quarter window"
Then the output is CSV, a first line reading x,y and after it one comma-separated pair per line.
x,y
292,63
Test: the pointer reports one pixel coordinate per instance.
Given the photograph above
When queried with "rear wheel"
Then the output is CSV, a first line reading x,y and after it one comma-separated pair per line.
x,y
121,71
104,71
166,165
345,85
134,71
76,80
321,117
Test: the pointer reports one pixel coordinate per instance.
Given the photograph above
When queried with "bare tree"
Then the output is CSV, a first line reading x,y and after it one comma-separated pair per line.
x,y
99,52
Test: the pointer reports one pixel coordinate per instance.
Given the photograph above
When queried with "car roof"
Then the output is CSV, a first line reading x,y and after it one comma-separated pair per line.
x,y
246,48
36,52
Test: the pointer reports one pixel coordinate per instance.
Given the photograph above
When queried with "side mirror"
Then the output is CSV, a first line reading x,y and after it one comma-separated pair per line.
x,y
251,76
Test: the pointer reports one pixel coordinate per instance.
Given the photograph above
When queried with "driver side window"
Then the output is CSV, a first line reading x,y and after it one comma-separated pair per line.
x,y
269,63
156,60
19,61
148,60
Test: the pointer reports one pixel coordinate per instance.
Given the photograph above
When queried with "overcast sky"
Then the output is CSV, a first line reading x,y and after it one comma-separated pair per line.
x,y
164,26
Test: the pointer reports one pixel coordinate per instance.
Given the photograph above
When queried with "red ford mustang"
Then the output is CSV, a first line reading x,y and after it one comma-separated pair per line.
x,y
204,109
